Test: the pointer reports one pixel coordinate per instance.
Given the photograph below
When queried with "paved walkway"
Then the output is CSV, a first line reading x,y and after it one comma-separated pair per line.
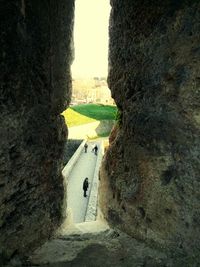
x,y
84,167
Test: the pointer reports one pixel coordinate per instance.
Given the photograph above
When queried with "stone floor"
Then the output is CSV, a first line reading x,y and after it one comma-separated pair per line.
x,y
105,247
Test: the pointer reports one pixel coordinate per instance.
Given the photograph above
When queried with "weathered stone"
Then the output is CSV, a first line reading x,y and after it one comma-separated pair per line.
x,y
150,175
109,248
35,87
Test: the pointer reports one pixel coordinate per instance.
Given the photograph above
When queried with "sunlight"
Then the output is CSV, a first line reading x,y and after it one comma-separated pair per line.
x,y
91,38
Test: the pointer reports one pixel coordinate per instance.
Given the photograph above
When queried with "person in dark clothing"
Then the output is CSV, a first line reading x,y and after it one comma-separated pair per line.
x,y
85,186
86,147
95,150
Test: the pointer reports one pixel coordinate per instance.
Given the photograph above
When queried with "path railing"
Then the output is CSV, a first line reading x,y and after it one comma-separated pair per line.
x,y
69,166
66,172
91,211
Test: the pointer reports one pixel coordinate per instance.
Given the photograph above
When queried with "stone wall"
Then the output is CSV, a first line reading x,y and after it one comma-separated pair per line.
x,y
35,87
150,174
150,184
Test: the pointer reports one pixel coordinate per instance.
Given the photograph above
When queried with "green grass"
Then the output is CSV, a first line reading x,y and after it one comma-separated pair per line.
x,y
82,114
73,118
97,112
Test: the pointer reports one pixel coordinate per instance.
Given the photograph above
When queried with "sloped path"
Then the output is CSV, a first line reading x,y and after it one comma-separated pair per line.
x,y
85,166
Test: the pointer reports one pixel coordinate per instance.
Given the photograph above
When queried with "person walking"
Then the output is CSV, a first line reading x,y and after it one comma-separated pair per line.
x,y
86,147
95,149
85,186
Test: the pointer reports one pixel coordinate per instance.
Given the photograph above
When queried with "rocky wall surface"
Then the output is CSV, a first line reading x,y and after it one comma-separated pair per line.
x,y
35,87
150,177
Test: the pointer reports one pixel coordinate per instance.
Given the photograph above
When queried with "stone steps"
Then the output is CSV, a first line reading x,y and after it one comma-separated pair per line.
x,y
94,244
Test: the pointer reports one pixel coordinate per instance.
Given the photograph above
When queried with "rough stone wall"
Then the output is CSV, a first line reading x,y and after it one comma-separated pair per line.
x,y
35,87
150,177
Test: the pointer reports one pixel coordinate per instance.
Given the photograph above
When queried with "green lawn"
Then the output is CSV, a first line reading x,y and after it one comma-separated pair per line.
x,y
73,118
96,111
82,114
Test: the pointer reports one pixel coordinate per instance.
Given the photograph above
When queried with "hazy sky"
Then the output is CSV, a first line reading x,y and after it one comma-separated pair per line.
x,y
91,38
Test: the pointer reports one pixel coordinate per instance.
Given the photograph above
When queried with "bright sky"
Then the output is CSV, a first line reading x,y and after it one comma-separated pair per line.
x,y
91,38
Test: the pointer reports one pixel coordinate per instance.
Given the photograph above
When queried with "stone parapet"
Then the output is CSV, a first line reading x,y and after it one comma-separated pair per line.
x,y
91,212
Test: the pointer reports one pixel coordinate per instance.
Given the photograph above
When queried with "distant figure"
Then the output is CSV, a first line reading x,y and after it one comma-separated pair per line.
x,y
85,186
95,150
86,147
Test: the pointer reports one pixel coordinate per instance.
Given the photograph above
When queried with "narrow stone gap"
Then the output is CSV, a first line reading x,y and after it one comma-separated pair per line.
x,y
88,70
149,176
83,213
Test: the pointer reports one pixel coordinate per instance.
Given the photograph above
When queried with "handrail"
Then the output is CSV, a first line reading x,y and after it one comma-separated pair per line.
x,y
66,172
91,210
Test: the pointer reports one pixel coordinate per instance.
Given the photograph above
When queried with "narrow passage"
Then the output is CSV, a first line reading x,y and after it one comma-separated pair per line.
x,y
83,168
